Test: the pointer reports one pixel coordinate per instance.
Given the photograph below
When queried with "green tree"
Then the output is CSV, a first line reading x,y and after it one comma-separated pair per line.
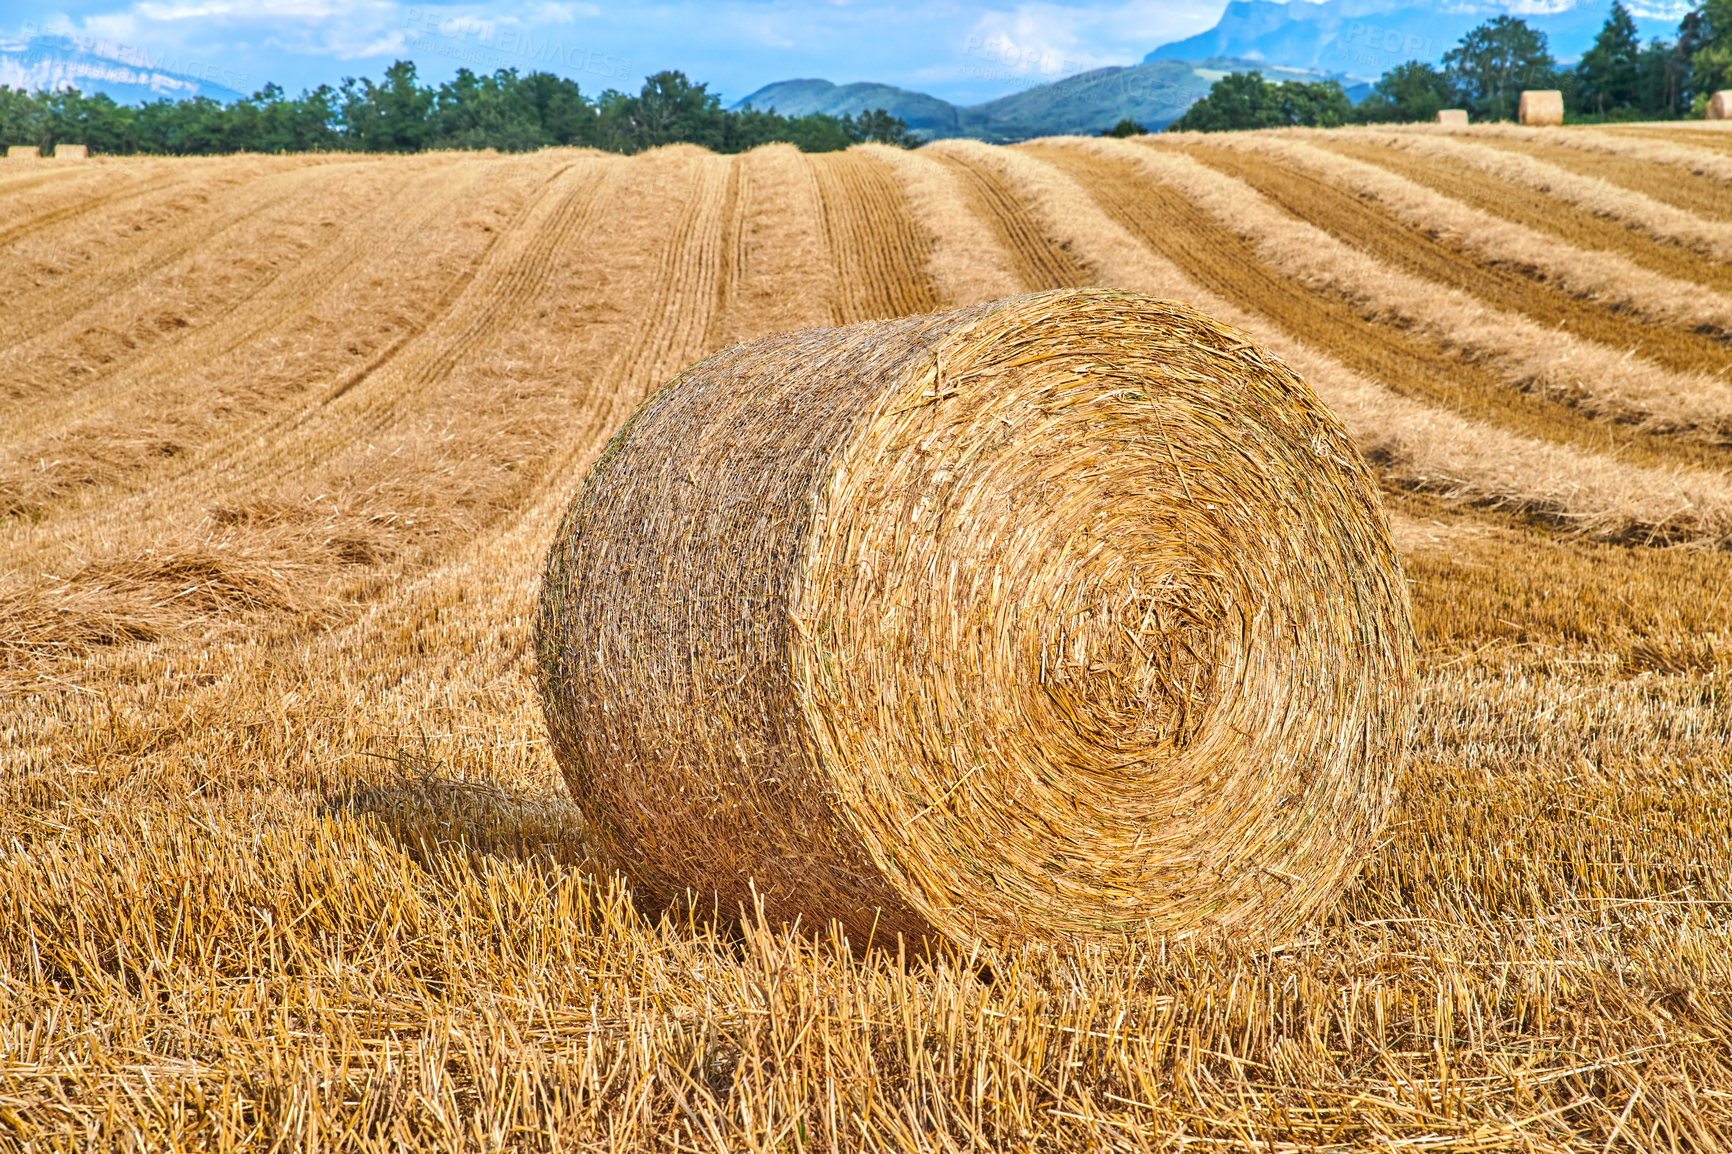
x,y
1711,61
1493,63
1413,90
1609,75
1237,101
1243,100
395,116
1125,127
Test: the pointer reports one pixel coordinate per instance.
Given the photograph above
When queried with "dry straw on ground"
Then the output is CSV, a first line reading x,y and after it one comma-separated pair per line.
x,y
1541,107
1040,619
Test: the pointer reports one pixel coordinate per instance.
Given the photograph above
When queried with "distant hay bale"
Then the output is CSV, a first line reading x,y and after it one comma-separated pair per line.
x,y
71,152
1720,105
1543,108
1454,117
1043,619
22,152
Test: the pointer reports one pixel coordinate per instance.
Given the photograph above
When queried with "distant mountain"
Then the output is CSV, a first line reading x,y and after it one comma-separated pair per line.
x,y
927,115
1152,94
1366,38
125,75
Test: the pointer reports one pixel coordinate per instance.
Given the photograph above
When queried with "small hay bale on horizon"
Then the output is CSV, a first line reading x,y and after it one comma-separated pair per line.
x,y
1541,108
71,152
23,152
1056,618
1453,117
1720,105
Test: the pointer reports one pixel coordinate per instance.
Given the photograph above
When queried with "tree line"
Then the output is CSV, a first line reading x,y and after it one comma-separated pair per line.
x,y
1619,78
505,111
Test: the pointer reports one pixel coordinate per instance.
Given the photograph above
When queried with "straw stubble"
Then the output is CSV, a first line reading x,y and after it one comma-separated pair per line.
x,y
1044,619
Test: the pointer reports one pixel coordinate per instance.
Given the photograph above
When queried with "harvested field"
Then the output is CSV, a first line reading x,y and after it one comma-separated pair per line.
x,y
283,442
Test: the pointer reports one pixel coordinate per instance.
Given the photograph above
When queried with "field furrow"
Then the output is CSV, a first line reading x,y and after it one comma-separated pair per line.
x,y
1662,222
1371,227
1413,444
1701,195
966,262
1576,225
881,255
1040,262
284,343
1710,138
227,209
784,277
196,310
73,207
1404,358
1654,159
1505,254
1578,354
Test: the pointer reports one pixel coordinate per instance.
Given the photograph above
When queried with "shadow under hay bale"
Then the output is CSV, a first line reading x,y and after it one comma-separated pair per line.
x,y
1051,618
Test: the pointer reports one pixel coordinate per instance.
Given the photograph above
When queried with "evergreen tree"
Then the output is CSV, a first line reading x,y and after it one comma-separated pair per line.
x,y
1493,63
1609,75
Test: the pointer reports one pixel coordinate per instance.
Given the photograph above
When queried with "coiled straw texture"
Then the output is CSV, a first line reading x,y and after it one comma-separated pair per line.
x,y
1050,618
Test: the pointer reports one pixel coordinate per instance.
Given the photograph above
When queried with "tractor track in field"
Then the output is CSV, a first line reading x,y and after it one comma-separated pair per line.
x,y
1040,262
264,306
880,252
1363,224
210,222
79,209
1220,261
202,326
173,405
1539,211
1671,184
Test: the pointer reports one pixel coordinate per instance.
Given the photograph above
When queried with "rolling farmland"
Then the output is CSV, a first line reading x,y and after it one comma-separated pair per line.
x,y
285,861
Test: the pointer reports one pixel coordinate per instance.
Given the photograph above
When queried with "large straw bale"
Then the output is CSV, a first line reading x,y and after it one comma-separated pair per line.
x,y
22,152
1543,108
1720,105
1454,117
71,152
1046,618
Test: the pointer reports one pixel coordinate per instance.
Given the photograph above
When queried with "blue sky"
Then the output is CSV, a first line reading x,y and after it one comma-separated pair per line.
x,y
962,52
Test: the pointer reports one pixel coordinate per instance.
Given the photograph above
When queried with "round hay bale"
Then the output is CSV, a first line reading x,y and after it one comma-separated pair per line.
x,y
1048,618
71,152
1541,108
22,152
1454,117
1720,105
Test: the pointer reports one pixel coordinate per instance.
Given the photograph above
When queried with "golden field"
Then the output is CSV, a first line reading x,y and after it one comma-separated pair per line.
x,y
285,863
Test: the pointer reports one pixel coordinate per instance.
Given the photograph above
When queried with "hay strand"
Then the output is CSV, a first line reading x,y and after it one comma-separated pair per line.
x,y
1046,618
